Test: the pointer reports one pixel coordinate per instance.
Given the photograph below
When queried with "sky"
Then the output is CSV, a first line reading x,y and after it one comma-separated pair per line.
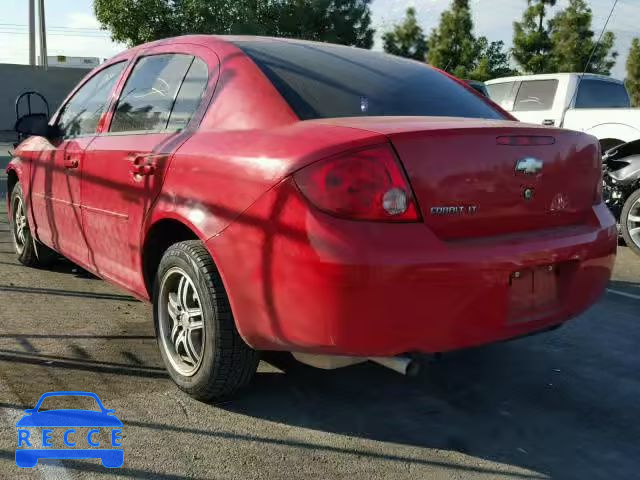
x,y
72,29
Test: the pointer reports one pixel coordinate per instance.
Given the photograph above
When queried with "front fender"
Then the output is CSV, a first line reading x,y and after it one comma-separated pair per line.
x,y
619,131
18,168
20,165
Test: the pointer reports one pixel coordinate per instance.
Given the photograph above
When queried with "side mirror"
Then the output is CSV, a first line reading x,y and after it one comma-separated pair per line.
x,y
29,411
33,124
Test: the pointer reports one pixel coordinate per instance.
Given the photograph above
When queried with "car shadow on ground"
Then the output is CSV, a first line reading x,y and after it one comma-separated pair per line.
x,y
511,403
66,293
522,403
65,266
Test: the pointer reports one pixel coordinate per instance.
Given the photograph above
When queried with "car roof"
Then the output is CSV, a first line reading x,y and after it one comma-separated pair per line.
x,y
550,76
212,40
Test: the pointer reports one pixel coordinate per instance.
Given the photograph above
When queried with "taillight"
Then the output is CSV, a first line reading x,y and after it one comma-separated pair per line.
x,y
597,199
365,185
525,140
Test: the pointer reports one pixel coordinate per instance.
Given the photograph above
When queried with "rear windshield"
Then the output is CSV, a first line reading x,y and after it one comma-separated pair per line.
x,y
602,94
327,81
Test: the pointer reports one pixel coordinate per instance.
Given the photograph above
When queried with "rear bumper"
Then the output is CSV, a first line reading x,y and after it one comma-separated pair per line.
x,y
301,280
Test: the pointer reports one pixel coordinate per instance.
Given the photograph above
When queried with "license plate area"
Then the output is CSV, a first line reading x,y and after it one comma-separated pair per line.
x,y
534,292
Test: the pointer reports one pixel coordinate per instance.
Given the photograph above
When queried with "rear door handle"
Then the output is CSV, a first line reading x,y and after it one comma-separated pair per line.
x,y
70,162
549,123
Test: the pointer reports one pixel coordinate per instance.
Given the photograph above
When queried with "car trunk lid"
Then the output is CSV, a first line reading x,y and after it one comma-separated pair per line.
x,y
475,178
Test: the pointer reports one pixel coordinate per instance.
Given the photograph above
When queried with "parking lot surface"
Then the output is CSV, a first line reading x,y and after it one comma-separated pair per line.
x,y
560,405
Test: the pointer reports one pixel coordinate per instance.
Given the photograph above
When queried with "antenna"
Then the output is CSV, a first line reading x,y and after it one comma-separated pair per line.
x,y
593,51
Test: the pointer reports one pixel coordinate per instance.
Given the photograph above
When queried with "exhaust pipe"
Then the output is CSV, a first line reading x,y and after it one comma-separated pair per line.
x,y
403,365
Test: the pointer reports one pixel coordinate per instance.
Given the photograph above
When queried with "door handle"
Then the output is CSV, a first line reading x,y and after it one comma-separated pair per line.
x,y
70,161
549,123
143,164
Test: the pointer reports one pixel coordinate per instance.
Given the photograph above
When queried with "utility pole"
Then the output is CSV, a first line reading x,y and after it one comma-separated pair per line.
x,y
43,35
32,32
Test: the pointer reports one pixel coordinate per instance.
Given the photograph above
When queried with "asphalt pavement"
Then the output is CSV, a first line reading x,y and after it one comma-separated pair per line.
x,y
561,405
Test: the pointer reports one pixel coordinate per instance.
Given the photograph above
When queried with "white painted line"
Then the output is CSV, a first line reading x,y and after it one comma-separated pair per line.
x,y
623,294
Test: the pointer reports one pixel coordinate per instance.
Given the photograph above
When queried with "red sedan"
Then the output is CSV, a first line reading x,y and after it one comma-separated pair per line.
x,y
338,203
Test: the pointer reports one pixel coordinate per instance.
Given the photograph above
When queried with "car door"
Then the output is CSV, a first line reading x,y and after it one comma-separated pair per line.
x,y
126,163
536,102
56,175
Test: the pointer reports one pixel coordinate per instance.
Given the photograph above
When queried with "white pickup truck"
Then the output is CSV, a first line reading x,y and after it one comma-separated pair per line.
x,y
601,106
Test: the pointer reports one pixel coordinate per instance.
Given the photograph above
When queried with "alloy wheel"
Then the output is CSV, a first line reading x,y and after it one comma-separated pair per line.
x,y
181,322
20,226
633,222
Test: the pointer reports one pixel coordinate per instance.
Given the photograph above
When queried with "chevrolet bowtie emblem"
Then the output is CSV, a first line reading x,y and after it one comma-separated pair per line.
x,y
529,166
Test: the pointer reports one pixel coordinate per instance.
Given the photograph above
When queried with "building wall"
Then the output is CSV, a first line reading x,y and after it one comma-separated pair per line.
x,y
72,62
54,83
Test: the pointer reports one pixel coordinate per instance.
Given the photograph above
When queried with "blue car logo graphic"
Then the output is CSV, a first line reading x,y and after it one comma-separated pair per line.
x,y
33,446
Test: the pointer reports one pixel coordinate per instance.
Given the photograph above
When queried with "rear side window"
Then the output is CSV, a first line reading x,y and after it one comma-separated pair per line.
x,y
82,113
536,95
602,94
502,94
150,92
189,95
325,81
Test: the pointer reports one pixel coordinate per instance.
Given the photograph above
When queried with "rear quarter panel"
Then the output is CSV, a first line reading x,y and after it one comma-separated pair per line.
x,y
216,175
621,124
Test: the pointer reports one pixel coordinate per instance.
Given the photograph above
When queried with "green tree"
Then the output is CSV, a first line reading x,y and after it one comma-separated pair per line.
x,y
452,46
347,22
492,61
573,42
633,72
339,21
407,39
532,40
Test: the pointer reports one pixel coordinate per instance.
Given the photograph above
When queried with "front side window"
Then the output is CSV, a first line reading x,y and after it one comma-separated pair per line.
x,y
80,116
148,97
602,94
536,95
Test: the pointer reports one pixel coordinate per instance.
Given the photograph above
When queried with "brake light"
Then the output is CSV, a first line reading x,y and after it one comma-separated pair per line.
x,y
364,185
598,196
525,140
597,200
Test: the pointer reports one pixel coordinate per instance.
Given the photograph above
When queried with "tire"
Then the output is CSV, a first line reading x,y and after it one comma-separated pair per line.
x,y
29,251
609,143
187,282
630,222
